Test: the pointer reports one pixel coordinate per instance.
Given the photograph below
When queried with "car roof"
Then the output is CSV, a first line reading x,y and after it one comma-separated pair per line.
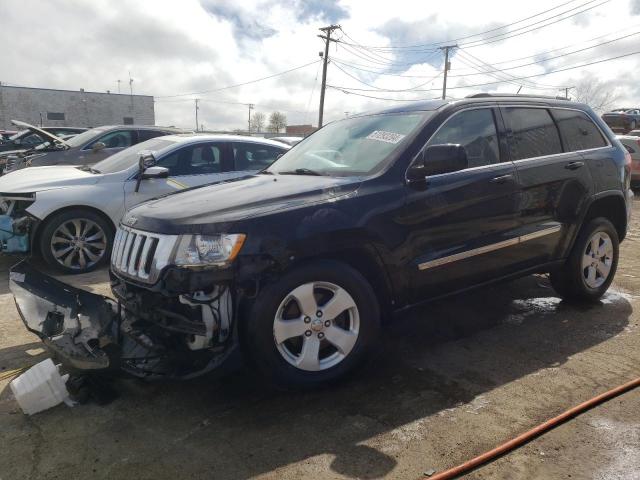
x,y
436,104
220,137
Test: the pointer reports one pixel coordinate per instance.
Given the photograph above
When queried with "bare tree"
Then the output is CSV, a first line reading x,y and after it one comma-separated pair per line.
x,y
277,121
257,121
601,96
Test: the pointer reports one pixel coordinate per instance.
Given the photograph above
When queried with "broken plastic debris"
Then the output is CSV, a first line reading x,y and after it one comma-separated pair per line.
x,y
40,388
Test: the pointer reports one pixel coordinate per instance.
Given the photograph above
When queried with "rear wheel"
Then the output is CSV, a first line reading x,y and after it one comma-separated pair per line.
x,y
591,266
312,326
76,241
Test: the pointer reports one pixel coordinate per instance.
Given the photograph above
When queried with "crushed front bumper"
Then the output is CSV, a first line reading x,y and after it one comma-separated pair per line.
x,y
93,333
78,327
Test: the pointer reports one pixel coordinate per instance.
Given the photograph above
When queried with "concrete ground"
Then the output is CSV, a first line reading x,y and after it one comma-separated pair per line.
x,y
450,381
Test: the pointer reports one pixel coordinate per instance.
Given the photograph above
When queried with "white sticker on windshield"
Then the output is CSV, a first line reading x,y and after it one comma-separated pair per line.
x,y
383,136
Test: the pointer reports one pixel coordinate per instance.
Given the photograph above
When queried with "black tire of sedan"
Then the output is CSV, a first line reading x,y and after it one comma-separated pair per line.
x,y
592,264
313,325
76,241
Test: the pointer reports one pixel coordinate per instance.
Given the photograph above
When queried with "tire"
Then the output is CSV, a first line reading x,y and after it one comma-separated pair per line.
x,y
62,252
587,274
276,330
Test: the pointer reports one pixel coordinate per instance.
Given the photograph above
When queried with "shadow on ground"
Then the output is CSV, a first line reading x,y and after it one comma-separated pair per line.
x,y
431,359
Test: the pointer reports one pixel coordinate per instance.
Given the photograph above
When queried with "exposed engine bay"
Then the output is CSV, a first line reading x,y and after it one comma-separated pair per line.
x,y
143,333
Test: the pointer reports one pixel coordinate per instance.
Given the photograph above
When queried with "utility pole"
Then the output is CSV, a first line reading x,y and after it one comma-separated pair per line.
x,y
197,108
566,92
325,58
447,67
251,105
118,85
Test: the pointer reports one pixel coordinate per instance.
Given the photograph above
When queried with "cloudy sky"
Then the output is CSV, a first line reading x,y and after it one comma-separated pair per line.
x,y
179,51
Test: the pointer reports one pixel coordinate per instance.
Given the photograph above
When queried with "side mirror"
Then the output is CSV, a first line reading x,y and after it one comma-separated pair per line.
x,y
155,172
98,146
438,159
145,163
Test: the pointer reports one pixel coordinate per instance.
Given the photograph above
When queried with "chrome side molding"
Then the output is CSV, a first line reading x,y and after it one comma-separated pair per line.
x,y
488,248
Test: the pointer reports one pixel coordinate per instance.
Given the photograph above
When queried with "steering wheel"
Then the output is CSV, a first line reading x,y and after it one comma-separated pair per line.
x,y
329,163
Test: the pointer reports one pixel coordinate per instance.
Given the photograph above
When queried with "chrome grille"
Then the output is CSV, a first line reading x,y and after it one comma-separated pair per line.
x,y
141,255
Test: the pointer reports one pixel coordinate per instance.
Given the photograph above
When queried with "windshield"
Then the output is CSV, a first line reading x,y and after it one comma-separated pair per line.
x,y
18,135
84,137
130,156
351,147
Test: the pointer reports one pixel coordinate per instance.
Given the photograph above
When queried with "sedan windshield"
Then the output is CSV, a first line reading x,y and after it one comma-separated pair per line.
x,y
130,156
84,137
352,147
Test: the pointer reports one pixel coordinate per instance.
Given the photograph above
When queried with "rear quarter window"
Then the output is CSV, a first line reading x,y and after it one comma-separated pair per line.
x,y
577,130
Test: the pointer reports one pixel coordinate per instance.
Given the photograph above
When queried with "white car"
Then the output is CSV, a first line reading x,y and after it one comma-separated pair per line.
x,y
68,214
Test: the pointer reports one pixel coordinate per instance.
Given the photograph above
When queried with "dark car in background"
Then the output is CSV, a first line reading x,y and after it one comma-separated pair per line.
x,y
88,147
622,120
297,265
30,136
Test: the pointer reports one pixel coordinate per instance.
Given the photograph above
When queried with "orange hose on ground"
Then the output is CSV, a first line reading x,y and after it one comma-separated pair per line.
x,y
533,433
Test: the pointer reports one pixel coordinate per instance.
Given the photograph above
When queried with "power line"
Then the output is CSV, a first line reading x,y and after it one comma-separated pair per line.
x,y
502,62
384,89
239,84
515,78
506,36
554,57
343,90
454,40
491,71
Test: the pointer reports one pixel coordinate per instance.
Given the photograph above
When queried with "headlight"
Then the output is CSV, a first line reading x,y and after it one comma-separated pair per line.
x,y
208,250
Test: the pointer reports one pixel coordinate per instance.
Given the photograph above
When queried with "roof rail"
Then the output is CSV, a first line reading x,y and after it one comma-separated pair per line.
x,y
489,95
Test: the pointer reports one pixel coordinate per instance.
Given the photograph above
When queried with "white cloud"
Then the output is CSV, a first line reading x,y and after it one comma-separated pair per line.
x,y
190,46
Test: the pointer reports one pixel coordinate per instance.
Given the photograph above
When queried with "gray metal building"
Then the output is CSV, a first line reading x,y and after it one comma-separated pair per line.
x,y
69,108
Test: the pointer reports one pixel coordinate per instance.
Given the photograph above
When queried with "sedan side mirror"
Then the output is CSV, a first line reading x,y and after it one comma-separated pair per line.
x,y
438,159
98,146
155,172
146,168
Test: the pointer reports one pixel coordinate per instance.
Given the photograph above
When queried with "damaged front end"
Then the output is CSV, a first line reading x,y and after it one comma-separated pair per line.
x,y
15,223
159,337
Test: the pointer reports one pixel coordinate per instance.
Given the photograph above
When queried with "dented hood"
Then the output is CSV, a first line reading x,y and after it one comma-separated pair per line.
x,y
242,199
38,179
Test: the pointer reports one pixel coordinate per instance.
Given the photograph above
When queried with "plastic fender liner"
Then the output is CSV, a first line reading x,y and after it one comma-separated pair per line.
x,y
79,327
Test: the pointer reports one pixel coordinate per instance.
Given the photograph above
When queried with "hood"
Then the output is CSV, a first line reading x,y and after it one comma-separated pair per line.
x,y
236,200
38,179
48,136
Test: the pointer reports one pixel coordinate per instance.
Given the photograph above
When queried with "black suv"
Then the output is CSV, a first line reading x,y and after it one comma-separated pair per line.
x,y
297,265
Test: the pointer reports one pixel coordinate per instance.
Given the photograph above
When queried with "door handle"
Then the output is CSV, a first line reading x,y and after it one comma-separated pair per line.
x,y
502,178
574,165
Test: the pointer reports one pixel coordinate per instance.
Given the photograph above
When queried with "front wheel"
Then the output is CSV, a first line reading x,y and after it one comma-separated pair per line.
x,y
76,241
591,266
313,325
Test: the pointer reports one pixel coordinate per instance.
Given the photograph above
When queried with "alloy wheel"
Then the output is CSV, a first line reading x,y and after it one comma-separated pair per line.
x,y
597,260
78,243
316,326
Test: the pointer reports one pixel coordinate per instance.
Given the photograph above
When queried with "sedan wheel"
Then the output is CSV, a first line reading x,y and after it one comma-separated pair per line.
x,y
316,326
78,244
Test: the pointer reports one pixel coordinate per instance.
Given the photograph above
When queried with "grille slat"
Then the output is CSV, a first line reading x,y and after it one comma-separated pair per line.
x,y
141,255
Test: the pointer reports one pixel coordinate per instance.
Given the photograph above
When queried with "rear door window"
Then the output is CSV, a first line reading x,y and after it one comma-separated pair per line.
x,y
147,134
532,133
475,130
254,156
577,130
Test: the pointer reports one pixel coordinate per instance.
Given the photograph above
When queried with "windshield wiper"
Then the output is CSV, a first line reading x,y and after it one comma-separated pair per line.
x,y
265,172
301,171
